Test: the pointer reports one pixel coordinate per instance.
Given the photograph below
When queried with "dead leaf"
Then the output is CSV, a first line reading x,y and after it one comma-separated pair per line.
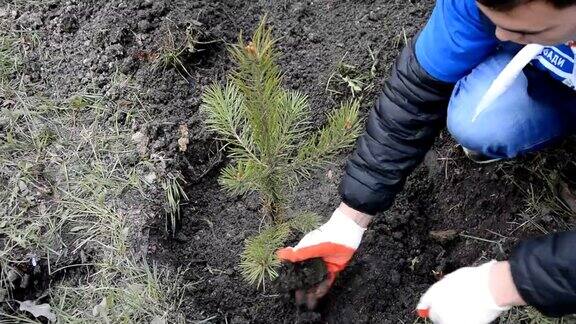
x,y
145,56
123,103
251,49
330,174
38,310
444,236
183,141
438,275
158,320
567,196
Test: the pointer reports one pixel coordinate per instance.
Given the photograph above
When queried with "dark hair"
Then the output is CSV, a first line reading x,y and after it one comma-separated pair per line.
x,y
505,5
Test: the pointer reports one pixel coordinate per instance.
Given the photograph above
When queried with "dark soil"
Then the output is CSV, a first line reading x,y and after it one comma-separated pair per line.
x,y
84,44
301,275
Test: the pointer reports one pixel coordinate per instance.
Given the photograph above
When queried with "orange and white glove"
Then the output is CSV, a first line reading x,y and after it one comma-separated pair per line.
x,y
335,243
462,296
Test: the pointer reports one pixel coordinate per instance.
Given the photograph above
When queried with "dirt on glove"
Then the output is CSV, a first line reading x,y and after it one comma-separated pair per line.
x,y
301,275
296,279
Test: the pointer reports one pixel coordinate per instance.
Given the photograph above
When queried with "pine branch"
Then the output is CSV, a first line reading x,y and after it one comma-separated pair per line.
x,y
258,77
291,126
259,261
341,132
305,222
226,116
246,176
243,177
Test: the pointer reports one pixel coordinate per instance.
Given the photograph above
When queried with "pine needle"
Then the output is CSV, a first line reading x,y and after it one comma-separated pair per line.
x,y
305,222
259,261
342,130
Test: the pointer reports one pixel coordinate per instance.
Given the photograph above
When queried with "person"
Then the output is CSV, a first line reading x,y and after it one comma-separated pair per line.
x,y
438,80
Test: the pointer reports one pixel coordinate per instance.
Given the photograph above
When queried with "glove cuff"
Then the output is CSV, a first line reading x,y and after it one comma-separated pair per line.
x,y
486,269
343,230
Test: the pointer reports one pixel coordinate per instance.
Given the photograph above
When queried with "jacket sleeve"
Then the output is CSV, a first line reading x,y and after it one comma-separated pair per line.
x,y
400,129
544,272
411,110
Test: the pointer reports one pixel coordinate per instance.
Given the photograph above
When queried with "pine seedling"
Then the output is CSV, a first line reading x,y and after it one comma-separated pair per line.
x,y
271,142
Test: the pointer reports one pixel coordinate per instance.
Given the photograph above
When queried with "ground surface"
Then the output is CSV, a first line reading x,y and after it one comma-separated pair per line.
x,y
86,45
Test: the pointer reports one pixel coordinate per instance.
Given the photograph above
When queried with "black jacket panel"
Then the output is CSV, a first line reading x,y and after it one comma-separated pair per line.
x,y
400,129
544,272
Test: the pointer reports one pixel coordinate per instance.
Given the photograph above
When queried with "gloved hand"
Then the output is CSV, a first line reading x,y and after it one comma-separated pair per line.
x,y
335,242
462,296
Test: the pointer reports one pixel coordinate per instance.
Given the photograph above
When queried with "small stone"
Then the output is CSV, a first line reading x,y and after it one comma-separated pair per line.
x,y
22,186
150,178
25,281
146,3
141,141
181,237
314,38
12,276
115,50
299,9
373,16
143,25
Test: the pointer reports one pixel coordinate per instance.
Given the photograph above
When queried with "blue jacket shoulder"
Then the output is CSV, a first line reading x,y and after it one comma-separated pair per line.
x,y
456,39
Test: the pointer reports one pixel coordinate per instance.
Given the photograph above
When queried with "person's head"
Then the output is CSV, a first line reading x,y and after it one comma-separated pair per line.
x,y
545,22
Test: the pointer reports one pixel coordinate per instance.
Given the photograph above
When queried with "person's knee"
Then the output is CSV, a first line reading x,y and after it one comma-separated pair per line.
x,y
514,124
494,138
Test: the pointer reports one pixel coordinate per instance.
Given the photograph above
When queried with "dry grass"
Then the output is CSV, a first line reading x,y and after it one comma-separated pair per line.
x,y
352,78
544,204
544,210
174,194
71,203
528,315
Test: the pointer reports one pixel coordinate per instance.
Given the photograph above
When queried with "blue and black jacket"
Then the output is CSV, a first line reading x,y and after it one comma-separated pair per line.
x,y
410,113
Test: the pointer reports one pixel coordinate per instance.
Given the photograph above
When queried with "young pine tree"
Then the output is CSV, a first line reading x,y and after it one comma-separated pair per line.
x,y
271,143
